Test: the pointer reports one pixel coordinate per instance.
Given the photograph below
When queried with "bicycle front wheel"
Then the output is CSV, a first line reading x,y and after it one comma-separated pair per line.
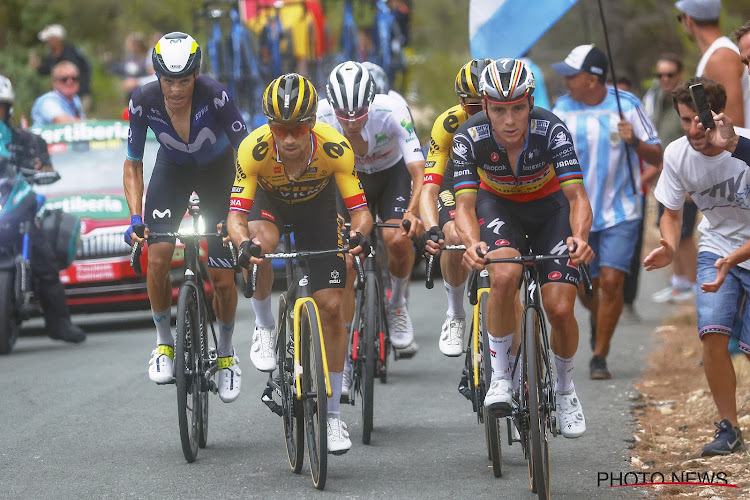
x,y
203,398
291,414
187,374
538,408
370,313
491,422
314,395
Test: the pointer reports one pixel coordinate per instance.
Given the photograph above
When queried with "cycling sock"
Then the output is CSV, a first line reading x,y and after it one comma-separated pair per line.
x,y
337,378
455,300
163,328
398,290
517,378
564,368
224,347
499,348
263,312
680,282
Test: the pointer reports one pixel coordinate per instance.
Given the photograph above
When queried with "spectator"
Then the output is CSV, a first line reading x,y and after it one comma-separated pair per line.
x,y
600,137
58,50
659,105
699,164
540,93
742,35
721,61
136,69
62,104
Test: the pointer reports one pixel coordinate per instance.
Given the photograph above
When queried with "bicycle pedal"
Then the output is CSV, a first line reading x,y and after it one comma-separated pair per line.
x,y
167,383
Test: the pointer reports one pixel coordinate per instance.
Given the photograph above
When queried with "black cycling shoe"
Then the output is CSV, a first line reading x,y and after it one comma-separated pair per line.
x,y
68,332
727,440
598,369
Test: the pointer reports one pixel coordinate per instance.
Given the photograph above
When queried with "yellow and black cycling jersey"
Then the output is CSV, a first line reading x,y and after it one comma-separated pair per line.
x,y
441,142
258,164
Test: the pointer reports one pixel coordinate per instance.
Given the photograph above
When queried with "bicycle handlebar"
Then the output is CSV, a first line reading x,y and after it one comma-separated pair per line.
x,y
428,280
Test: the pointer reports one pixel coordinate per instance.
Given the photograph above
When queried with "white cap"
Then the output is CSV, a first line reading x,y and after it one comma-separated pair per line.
x,y
52,31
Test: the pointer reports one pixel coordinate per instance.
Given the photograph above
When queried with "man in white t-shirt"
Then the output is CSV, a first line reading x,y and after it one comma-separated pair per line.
x,y
719,184
720,60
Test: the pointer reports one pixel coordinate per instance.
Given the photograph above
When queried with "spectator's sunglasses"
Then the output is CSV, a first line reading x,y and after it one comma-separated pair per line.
x,y
67,78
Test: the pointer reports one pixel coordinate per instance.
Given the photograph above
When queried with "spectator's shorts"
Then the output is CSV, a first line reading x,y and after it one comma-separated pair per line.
x,y
613,247
718,312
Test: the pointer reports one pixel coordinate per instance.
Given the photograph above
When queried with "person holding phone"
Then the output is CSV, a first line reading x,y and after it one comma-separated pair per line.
x,y
719,184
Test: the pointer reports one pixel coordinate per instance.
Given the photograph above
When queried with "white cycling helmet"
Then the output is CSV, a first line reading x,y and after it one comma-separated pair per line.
x,y
378,74
176,55
506,81
350,88
7,95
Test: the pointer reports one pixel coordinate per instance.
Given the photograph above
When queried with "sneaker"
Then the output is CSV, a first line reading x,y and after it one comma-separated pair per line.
x,y
161,364
570,414
452,337
68,332
262,350
399,323
346,385
727,440
499,397
662,296
683,294
408,352
338,437
230,378
598,369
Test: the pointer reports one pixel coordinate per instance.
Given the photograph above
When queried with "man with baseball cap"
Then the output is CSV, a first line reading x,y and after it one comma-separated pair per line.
x,y
53,36
721,60
600,137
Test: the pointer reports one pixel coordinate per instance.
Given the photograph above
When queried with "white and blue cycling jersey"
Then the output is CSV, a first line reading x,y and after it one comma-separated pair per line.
x,y
602,156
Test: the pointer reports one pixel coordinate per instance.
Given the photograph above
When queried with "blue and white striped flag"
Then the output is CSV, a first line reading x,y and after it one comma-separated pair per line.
x,y
508,28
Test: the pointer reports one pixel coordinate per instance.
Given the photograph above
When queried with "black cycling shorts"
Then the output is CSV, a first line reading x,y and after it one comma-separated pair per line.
x,y
546,222
388,192
316,227
446,202
169,192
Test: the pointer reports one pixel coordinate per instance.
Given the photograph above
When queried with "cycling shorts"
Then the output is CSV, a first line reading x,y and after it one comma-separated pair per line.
x,y
541,227
388,191
318,229
169,191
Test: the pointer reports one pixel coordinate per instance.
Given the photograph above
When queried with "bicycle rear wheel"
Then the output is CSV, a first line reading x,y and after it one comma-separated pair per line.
x,y
314,395
491,423
539,443
186,367
370,335
292,413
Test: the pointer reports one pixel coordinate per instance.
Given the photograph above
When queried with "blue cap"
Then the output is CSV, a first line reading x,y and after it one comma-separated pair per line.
x,y
701,10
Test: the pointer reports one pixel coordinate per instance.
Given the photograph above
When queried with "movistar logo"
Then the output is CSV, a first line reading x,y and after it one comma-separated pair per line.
x,y
219,103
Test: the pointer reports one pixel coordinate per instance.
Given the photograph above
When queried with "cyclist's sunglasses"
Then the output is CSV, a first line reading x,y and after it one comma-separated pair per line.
x,y
472,109
296,130
355,115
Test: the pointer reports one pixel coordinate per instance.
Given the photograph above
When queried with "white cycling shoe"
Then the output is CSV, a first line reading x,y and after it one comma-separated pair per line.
x,y
161,364
452,337
499,397
263,348
399,324
230,378
570,414
338,437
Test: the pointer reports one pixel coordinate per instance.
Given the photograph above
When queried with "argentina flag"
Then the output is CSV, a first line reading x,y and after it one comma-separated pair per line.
x,y
508,28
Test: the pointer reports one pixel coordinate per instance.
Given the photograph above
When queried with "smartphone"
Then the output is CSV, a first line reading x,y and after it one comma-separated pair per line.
x,y
701,106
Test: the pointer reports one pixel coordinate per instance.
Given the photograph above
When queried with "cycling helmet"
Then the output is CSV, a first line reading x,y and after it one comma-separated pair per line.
x,y
507,81
378,74
7,96
290,98
467,79
176,55
350,87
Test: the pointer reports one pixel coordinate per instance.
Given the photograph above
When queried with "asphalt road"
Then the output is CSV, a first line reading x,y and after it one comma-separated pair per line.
x,y
86,422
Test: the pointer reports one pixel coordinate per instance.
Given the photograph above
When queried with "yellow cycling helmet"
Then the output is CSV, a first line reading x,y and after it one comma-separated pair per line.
x,y
290,98
467,79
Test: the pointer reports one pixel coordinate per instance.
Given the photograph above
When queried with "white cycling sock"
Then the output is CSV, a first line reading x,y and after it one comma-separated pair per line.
x,y
564,368
499,348
263,312
337,378
163,328
680,282
455,300
517,377
398,290
225,348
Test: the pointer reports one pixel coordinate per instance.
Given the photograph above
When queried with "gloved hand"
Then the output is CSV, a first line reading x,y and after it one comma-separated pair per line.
x,y
359,240
135,220
248,249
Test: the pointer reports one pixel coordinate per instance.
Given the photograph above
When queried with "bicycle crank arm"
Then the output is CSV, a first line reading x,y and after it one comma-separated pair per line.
x,y
267,399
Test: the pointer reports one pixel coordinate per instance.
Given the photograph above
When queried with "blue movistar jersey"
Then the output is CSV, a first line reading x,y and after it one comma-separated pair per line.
x,y
215,125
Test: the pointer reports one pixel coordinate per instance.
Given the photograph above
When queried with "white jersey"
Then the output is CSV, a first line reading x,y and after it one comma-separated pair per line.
x,y
389,133
720,187
724,42
602,156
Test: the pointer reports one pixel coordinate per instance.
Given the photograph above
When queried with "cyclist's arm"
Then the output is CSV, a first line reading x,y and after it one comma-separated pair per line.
x,y
361,221
581,215
428,204
412,152
230,118
243,192
441,138
466,185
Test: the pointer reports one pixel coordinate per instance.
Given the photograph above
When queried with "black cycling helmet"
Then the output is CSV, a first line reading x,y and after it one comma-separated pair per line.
x,y
290,98
507,81
176,55
467,79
